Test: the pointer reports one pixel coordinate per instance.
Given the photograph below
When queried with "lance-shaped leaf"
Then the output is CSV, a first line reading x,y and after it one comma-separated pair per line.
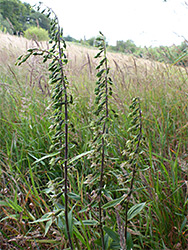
x,y
87,223
113,235
99,74
114,203
135,210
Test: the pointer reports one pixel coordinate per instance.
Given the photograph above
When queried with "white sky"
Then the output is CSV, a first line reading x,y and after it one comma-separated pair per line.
x,y
146,22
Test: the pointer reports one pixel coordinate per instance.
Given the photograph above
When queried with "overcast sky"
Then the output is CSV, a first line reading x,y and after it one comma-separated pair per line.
x,y
146,22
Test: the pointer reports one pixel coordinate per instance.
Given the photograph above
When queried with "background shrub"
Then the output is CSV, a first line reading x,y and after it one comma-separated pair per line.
x,y
36,33
5,26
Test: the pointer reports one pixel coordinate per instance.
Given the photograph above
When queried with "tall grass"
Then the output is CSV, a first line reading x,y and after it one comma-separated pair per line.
x,y
25,196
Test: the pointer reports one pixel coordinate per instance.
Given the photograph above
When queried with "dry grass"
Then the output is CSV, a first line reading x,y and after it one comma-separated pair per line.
x,y
128,73
15,42
77,54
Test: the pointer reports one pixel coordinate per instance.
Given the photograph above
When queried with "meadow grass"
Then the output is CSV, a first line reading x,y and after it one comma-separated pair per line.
x,y
161,180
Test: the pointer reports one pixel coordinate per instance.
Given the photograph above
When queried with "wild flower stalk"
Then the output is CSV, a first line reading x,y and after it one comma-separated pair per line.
x,y
60,100
133,147
102,92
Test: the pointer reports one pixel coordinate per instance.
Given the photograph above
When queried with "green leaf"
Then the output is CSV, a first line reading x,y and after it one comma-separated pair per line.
x,y
10,216
99,74
48,225
59,212
70,222
45,59
79,236
179,58
103,60
129,241
74,196
110,81
87,223
45,157
134,210
113,235
98,55
25,58
71,99
80,156
4,203
183,225
20,57
45,217
31,50
114,203
106,239
110,91
114,246
98,67
15,206
101,33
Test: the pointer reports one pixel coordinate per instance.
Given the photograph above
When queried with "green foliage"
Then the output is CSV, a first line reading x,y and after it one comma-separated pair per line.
x,y
60,102
127,47
38,34
36,18
13,10
70,39
135,210
91,41
135,131
102,123
21,16
5,26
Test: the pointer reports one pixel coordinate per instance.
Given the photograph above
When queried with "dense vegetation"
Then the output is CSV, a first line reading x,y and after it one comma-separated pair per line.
x,y
16,17
95,179
37,34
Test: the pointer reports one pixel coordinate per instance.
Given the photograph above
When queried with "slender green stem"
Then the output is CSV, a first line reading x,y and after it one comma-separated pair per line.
x,y
103,147
65,172
100,195
134,171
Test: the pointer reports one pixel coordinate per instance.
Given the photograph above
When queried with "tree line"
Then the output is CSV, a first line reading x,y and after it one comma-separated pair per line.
x,y
174,54
16,17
